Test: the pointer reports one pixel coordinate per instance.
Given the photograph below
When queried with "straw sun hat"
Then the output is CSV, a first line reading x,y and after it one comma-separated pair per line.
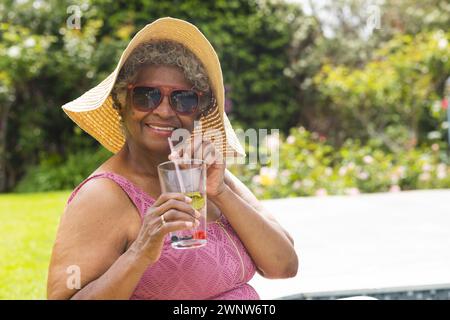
x,y
94,113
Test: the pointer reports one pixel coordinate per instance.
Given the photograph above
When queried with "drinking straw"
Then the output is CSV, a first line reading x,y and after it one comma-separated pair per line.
x,y
180,181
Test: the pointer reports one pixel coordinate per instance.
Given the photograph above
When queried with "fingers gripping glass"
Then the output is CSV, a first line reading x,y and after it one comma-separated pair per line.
x,y
182,101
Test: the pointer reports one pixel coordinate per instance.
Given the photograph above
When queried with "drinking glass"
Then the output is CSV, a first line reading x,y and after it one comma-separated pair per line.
x,y
193,175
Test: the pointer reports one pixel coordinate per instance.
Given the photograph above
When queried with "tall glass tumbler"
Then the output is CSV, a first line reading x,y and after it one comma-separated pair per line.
x,y
193,176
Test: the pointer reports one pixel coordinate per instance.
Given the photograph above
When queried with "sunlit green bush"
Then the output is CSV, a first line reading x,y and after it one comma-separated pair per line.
x,y
54,173
309,165
395,96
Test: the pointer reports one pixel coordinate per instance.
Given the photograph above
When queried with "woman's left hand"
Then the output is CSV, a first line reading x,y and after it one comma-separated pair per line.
x,y
215,163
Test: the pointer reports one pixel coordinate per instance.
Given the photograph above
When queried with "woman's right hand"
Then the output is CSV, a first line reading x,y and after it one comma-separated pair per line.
x,y
178,215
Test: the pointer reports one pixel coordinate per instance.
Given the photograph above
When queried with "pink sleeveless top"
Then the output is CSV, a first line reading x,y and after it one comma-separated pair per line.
x,y
218,271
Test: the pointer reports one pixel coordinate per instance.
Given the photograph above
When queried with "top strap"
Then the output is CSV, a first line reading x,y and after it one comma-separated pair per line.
x,y
139,198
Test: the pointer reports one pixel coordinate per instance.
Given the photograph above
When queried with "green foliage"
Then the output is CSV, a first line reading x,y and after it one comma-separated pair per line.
x,y
55,173
46,64
281,68
392,95
345,41
310,165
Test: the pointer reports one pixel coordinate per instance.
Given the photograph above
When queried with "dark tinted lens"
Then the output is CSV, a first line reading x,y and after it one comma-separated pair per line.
x,y
184,101
146,97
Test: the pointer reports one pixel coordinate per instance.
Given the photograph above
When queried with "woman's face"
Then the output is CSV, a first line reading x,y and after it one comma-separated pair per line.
x,y
137,122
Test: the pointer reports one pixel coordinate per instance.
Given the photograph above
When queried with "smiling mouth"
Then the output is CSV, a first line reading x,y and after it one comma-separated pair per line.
x,y
165,129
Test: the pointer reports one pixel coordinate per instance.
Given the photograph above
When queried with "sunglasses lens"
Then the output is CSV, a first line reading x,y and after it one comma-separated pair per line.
x,y
184,101
146,97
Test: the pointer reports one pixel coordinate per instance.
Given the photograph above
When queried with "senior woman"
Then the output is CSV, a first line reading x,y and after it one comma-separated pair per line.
x,y
113,234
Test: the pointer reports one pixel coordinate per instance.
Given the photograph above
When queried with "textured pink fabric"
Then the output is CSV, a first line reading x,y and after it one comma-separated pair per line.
x,y
220,270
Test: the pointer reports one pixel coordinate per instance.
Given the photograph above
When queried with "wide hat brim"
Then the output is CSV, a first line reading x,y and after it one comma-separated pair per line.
x,y
94,113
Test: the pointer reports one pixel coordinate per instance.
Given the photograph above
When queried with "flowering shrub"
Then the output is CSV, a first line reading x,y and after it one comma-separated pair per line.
x,y
309,166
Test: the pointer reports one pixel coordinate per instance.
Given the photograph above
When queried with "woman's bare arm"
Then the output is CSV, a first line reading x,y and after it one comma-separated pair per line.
x,y
270,246
92,238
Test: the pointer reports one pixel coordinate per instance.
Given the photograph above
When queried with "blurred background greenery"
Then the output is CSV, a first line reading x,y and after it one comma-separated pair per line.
x,y
357,111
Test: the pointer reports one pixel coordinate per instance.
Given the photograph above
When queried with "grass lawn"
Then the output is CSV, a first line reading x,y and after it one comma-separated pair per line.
x,y
28,225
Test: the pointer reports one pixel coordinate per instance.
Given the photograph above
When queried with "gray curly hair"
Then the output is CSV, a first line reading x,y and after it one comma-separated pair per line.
x,y
163,52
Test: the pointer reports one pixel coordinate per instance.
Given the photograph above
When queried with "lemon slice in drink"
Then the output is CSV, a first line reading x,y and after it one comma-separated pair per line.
x,y
197,200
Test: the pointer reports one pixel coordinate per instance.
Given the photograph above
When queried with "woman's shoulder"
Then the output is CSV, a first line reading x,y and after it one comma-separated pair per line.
x,y
100,186
92,184
96,193
102,191
102,202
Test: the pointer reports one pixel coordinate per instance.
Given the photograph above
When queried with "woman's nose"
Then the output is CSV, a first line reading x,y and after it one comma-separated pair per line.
x,y
164,109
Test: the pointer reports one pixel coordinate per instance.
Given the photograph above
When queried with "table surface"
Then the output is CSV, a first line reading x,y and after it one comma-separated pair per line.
x,y
368,241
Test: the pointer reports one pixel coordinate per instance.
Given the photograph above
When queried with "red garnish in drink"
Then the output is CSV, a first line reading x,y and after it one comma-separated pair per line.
x,y
199,235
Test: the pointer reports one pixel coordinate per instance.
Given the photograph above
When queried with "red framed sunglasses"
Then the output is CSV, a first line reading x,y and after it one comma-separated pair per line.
x,y
183,101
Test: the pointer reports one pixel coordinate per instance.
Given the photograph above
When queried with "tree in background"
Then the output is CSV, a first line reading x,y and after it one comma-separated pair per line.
x,y
46,64
345,43
281,68
389,98
23,56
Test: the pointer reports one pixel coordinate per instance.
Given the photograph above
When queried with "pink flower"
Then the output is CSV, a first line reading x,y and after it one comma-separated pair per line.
x,y
321,192
353,191
296,185
394,178
342,171
401,171
368,159
444,104
441,171
290,140
363,175
395,188
285,173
